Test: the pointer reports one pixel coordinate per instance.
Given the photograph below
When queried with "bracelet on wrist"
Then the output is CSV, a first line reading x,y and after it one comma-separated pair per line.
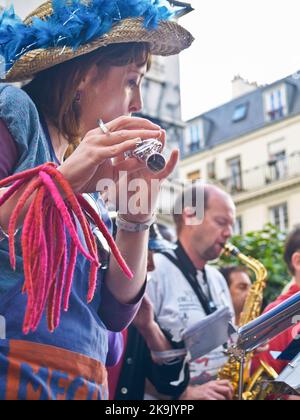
x,y
132,226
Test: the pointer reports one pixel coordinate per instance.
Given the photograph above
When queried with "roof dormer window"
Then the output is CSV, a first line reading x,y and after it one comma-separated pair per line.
x,y
276,103
195,138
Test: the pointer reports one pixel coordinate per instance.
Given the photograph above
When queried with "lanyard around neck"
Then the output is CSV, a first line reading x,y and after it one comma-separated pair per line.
x,y
185,265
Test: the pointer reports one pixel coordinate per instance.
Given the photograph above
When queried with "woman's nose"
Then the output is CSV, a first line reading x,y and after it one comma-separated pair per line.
x,y
136,103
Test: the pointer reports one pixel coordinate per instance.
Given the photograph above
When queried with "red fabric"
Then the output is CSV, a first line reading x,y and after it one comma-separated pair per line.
x,y
115,371
282,341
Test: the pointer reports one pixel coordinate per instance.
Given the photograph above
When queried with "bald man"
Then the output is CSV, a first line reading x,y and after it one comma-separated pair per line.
x,y
184,289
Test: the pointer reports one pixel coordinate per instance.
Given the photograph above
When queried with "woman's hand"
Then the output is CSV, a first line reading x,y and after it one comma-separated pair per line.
x,y
145,323
92,160
142,197
210,391
145,317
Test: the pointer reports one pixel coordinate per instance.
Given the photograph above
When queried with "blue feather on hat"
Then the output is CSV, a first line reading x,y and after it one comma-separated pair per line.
x,y
74,23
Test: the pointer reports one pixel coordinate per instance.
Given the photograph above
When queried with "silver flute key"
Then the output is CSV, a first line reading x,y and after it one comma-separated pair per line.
x,y
149,151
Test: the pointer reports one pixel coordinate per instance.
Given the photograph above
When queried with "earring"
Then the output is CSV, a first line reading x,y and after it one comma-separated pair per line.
x,y
78,96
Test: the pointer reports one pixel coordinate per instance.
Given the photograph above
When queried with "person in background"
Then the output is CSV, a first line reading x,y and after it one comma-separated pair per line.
x,y
282,341
239,284
184,289
127,379
167,233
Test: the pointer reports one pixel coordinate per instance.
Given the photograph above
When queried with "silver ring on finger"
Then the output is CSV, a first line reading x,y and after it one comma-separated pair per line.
x,y
103,126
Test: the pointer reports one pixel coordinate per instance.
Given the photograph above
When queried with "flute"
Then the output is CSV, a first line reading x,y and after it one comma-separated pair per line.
x,y
149,151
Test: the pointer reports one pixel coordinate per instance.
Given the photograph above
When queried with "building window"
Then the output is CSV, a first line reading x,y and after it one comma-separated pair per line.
x,y
240,113
278,166
196,140
158,69
276,103
238,227
211,170
194,176
279,216
235,174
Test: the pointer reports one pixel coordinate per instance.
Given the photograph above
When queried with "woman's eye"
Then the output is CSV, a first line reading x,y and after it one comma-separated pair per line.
x,y
132,83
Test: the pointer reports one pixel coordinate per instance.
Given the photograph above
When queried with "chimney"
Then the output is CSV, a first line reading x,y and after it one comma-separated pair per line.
x,y
241,86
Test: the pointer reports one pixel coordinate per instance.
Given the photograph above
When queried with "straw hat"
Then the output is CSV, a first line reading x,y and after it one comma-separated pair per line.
x,y
165,38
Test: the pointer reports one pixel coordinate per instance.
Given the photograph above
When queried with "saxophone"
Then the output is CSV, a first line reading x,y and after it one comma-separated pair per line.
x,y
252,309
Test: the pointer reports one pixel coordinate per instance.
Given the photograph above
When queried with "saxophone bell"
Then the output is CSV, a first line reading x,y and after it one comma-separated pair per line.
x,y
237,369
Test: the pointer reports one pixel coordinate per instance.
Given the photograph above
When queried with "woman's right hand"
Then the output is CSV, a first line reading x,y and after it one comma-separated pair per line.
x,y
210,391
92,160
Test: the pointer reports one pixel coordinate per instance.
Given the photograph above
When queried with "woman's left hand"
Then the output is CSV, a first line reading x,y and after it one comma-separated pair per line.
x,y
125,173
141,185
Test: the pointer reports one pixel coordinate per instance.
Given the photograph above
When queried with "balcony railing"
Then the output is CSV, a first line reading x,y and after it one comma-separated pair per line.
x,y
265,175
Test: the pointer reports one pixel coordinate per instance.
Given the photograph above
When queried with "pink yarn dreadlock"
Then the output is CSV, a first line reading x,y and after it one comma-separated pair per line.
x,y
48,263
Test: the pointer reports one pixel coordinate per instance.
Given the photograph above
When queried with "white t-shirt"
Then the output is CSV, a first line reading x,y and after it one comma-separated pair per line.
x,y
177,308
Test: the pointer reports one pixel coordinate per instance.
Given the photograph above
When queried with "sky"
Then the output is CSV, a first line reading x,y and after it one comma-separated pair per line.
x,y
257,39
